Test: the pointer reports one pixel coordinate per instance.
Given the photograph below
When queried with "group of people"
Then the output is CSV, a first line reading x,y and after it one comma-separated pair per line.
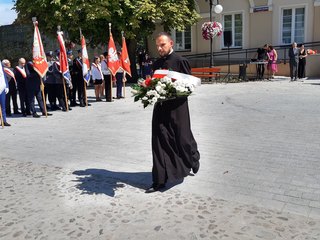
x,y
174,149
59,93
297,59
269,55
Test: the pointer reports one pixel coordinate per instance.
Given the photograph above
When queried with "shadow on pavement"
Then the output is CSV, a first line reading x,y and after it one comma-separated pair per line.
x,y
101,181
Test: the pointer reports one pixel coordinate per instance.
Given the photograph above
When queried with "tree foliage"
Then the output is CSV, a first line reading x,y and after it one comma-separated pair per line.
x,y
136,17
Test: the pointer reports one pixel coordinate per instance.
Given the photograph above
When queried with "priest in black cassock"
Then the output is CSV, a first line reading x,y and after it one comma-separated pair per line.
x,y
174,148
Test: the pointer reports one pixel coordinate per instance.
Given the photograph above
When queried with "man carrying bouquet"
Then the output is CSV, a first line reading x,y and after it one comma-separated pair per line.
x,y
174,148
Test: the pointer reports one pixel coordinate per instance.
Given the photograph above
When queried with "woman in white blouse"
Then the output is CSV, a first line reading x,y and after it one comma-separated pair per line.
x,y
97,77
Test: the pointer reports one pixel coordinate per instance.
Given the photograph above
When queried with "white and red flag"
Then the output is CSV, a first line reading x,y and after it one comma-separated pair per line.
x,y
85,60
39,59
125,61
113,59
63,59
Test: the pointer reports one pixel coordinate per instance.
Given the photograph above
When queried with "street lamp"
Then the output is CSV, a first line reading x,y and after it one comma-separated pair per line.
x,y
217,9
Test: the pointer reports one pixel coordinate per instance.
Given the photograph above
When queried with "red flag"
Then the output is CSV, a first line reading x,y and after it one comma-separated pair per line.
x,y
85,60
125,61
63,60
113,59
39,60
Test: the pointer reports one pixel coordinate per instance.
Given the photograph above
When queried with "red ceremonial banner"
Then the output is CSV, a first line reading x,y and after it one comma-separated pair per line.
x,y
39,59
125,61
113,59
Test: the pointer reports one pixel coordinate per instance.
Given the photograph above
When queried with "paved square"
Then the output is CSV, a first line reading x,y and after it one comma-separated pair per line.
x,y
81,175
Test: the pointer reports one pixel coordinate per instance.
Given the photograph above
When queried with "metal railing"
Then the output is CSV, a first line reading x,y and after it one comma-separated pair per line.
x,y
241,56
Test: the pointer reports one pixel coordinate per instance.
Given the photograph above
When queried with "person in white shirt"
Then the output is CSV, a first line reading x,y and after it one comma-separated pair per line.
x,y
97,77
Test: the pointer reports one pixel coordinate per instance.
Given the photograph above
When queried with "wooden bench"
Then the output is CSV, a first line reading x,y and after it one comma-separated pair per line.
x,y
206,72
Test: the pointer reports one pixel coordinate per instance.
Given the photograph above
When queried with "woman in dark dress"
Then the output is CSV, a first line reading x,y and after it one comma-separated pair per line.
x,y
302,62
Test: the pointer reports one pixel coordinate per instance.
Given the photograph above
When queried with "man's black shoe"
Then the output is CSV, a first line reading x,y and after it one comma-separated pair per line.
x,y
82,105
196,167
6,124
48,114
35,115
17,112
24,115
155,187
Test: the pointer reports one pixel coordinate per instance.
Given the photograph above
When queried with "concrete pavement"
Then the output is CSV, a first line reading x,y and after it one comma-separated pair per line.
x,y
81,175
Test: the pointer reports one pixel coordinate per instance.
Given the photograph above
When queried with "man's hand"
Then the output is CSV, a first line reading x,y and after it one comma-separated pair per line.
x,y
6,90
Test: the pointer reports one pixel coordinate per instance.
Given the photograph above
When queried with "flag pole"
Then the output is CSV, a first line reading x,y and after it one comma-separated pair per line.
x,y
34,20
111,85
2,123
124,74
84,82
63,80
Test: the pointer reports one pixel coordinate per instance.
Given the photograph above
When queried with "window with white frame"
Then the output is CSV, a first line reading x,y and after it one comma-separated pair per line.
x,y
234,23
293,21
182,39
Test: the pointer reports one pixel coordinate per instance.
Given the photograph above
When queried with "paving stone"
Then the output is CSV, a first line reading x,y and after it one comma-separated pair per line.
x,y
259,165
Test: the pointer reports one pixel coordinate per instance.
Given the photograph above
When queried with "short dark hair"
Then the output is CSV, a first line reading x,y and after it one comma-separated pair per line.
x,y
105,54
164,34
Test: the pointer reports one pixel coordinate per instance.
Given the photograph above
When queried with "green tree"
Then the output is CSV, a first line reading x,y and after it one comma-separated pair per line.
x,y
137,18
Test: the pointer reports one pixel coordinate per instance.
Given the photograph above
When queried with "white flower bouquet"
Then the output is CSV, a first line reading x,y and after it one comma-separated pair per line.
x,y
165,85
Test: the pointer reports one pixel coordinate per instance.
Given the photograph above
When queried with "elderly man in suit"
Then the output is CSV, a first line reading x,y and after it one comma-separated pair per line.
x,y
13,92
294,61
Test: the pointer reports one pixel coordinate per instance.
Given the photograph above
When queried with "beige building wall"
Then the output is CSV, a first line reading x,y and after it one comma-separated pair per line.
x,y
260,29
316,26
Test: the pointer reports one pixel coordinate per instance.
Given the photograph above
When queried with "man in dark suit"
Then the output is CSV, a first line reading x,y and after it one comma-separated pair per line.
x,y
174,148
13,92
21,77
294,61
78,81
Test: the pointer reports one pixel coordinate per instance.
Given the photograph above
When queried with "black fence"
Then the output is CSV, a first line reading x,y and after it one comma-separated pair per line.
x,y
241,56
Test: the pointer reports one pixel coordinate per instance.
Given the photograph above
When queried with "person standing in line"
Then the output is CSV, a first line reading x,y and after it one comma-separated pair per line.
x,y
120,77
174,148
21,77
107,77
272,61
294,61
4,89
78,84
302,62
97,77
102,88
12,88
34,90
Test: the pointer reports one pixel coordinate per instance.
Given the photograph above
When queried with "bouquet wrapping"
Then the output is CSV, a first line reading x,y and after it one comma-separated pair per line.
x,y
165,85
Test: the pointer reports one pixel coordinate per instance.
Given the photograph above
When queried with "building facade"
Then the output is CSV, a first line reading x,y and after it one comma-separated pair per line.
x,y
254,23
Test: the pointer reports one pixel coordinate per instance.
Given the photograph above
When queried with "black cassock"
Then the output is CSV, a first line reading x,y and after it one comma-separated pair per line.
x,y
174,148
